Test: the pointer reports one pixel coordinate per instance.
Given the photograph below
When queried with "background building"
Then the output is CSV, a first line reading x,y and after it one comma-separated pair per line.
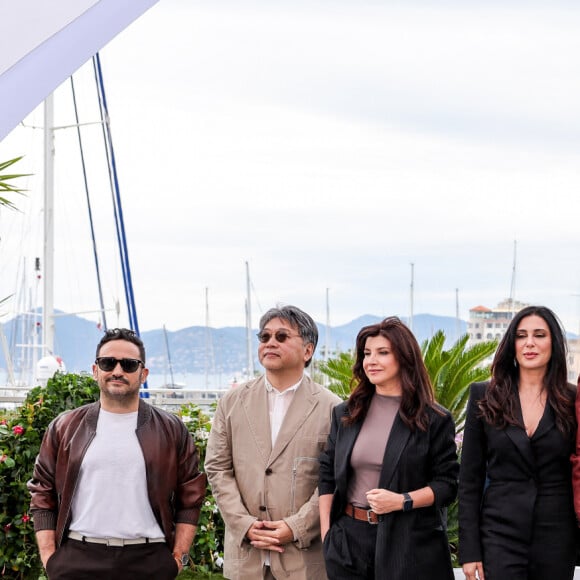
x,y
491,323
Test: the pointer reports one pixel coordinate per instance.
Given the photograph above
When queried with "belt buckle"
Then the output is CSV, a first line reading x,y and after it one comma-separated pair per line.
x,y
116,542
369,518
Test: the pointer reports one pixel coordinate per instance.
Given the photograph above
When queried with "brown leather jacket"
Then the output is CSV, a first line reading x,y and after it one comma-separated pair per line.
x,y
176,487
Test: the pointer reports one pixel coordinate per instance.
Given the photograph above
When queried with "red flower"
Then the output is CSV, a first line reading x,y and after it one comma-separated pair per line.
x,y
7,527
17,430
3,422
25,518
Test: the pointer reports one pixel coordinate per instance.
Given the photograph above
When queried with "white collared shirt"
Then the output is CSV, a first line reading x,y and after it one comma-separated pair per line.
x,y
278,404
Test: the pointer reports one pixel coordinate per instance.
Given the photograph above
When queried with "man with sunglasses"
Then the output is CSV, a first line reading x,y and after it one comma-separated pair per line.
x,y
262,457
116,489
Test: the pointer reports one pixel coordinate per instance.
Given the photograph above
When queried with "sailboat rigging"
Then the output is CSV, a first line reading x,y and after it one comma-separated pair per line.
x,y
45,269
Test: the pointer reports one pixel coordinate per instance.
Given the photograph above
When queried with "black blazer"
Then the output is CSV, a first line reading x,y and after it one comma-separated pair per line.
x,y
411,545
509,485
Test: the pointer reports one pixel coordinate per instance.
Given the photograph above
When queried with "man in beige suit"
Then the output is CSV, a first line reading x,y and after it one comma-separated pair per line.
x,y
262,457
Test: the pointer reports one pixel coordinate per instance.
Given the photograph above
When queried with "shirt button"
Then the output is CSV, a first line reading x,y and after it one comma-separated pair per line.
x,y
268,471
262,508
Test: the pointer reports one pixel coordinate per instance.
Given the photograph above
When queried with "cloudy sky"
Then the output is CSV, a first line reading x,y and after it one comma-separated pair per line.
x,y
329,145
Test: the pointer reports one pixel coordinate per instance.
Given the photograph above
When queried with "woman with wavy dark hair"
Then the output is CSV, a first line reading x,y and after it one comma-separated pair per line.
x,y
389,468
516,512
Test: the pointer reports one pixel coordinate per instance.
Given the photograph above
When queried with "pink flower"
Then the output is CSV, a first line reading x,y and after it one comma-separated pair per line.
x,y
3,422
7,527
25,518
3,458
17,430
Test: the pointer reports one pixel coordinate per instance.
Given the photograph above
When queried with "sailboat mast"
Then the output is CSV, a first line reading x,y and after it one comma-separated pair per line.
x,y
169,364
513,283
412,289
457,319
209,354
327,329
48,278
249,324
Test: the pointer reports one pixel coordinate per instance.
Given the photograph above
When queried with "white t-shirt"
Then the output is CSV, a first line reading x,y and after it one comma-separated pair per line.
x,y
111,498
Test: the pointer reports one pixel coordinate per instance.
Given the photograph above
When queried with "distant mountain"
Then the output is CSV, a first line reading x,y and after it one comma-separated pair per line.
x,y
198,349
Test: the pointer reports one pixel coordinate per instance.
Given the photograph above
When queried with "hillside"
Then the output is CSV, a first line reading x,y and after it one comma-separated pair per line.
x,y
198,349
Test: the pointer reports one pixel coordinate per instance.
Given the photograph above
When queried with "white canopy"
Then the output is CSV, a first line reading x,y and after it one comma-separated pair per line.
x,y
43,43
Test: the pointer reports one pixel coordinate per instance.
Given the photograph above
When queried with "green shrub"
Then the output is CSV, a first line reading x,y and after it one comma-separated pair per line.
x,y
207,551
21,433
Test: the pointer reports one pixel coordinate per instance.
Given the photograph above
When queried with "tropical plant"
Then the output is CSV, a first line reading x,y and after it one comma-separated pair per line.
x,y
339,371
6,187
452,371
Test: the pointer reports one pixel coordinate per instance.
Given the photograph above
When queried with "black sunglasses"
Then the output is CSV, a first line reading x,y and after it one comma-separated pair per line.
x,y
108,363
279,335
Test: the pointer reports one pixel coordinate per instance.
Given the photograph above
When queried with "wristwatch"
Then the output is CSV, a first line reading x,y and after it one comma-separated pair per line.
x,y
407,502
182,559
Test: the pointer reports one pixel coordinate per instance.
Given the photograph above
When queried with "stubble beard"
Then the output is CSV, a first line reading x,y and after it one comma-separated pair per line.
x,y
125,397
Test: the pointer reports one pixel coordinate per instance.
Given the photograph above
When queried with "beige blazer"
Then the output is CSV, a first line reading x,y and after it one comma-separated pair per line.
x,y
251,481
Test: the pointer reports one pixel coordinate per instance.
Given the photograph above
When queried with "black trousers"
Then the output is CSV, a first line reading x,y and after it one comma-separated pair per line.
x,y
76,560
349,550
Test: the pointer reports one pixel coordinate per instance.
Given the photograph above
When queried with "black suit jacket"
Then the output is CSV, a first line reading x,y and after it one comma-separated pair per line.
x,y
511,484
411,545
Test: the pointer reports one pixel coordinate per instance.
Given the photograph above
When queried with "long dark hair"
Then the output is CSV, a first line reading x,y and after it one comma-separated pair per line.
x,y
499,406
417,389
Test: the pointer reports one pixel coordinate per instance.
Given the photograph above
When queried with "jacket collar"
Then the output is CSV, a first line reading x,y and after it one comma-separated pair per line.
x,y
397,441
143,414
520,438
255,404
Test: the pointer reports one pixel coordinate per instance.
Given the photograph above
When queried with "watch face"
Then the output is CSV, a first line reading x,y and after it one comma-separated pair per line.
x,y
184,559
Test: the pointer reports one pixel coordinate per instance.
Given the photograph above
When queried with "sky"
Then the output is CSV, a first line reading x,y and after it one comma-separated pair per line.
x,y
341,149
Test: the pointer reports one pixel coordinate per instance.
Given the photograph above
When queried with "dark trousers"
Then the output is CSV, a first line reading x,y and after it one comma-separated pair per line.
x,y
349,550
76,560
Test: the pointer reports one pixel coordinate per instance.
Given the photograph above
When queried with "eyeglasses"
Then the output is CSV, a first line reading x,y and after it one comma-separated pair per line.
x,y
108,363
279,335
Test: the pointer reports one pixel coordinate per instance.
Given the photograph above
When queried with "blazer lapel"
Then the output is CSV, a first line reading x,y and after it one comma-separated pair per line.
x,y
255,405
344,446
546,423
300,408
520,439
398,438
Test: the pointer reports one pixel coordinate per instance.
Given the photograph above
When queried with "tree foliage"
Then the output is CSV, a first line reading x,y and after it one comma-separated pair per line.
x,y
21,433
207,551
452,371
339,371
6,187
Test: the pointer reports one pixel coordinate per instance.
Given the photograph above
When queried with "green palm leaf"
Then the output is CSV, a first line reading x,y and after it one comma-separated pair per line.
x,y
6,187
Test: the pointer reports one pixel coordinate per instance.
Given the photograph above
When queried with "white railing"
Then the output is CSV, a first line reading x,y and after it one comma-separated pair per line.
x,y
11,396
459,575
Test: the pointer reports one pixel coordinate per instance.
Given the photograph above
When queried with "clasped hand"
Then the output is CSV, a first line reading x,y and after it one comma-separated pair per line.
x,y
270,535
383,501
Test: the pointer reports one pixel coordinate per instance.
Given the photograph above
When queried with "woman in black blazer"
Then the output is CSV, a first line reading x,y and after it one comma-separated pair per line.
x,y
389,467
516,514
